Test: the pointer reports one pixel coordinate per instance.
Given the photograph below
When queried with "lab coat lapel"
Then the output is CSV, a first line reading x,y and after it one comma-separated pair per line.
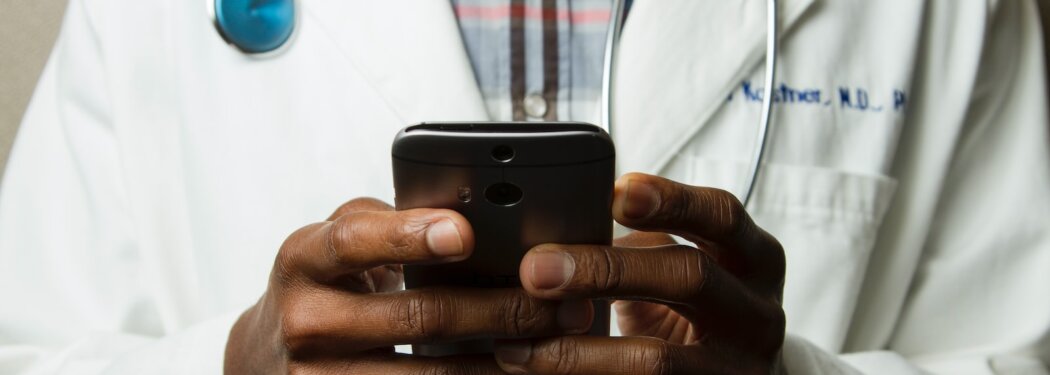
x,y
678,62
409,50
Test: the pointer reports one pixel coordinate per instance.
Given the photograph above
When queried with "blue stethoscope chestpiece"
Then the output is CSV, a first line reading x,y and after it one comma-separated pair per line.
x,y
255,27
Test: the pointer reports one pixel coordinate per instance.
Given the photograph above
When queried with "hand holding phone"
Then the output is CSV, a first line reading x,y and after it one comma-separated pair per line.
x,y
519,185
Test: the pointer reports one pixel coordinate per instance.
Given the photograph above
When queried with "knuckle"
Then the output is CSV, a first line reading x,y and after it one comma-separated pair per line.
x,y
564,355
696,273
402,310
776,323
347,208
425,315
403,241
347,236
339,239
362,204
777,259
730,212
297,329
725,213
685,202
522,311
769,265
655,359
290,252
283,274
608,269
295,240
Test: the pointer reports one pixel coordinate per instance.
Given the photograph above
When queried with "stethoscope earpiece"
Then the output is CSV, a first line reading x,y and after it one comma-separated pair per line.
x,y
254,26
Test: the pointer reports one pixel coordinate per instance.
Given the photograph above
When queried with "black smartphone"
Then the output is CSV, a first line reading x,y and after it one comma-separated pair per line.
x,y
519,184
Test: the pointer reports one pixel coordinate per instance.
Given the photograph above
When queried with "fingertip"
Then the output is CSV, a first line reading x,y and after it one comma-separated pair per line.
x,y
447,235
444,239
546,268
633,175
636,197
620,186
466,231
511,355
526,265
576,316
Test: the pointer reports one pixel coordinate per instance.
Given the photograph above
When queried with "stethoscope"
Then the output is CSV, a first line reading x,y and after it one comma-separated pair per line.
x,y
255,27
265,27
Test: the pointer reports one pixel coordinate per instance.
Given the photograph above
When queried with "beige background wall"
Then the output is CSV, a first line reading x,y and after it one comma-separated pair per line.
x,y
27,32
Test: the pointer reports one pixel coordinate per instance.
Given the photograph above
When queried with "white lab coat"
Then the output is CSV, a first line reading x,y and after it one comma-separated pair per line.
x,y
158,170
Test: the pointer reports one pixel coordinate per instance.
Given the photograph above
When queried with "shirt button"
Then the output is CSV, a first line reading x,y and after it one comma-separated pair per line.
x,y
535,105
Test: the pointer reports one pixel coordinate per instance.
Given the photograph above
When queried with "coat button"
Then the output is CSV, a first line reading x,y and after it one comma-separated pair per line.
x,y
535,105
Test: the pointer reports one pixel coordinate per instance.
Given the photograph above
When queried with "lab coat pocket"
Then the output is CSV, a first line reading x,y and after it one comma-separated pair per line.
x,y
827,221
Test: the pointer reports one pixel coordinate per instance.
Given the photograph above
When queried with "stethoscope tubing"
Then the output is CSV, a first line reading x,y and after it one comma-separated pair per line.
x,y
765,123
612,44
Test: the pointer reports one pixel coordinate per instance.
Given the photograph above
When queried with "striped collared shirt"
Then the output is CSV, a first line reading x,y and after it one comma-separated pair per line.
x,y
536,60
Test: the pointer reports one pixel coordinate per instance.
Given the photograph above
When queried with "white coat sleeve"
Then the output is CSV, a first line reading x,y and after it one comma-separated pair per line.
x,y
979,302
71,296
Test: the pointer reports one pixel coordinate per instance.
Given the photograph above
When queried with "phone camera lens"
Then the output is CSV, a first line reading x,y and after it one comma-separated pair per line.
x,y
503,153
503,194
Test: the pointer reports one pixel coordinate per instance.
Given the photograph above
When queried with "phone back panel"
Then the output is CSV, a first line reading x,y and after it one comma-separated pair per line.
x,y
565,175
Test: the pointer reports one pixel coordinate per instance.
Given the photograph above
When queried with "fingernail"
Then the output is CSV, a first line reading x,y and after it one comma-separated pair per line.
x,y
514,353
575,316
443,239
551,269
640,200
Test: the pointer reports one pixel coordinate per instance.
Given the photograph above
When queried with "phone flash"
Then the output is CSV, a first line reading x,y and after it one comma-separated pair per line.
x,y
463,194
